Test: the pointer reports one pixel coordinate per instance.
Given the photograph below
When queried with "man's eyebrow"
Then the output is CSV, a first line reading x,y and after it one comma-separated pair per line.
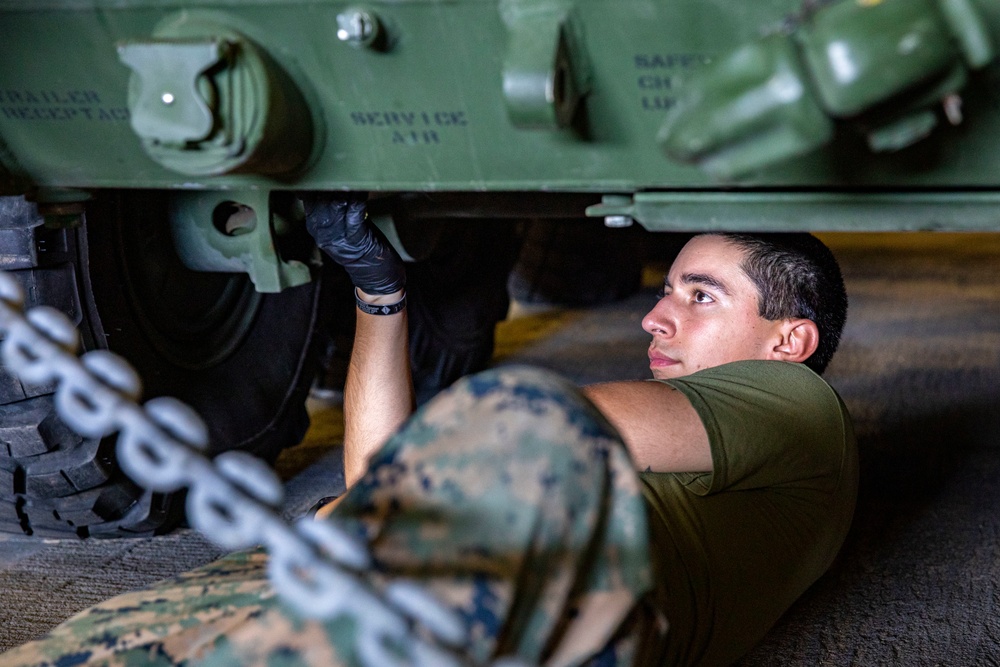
x,y
707,280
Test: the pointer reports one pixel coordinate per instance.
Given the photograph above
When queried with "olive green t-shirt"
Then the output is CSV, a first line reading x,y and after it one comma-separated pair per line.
x,y
732,549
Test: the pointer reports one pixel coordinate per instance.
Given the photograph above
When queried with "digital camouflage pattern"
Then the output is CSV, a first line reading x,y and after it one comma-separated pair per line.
x,y
508,496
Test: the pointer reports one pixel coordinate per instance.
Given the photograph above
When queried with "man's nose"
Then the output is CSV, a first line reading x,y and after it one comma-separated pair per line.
x,y
659,320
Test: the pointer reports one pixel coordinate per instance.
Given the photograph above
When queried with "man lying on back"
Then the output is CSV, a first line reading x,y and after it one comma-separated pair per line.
x,y
746,457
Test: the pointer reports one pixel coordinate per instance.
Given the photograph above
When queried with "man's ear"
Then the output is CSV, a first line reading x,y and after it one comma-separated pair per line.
x,y
799,338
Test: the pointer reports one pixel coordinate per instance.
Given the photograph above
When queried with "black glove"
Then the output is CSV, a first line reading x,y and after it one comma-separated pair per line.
x,y
339,226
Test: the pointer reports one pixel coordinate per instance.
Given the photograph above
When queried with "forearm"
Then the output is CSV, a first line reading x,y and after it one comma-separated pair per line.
x,y
378,396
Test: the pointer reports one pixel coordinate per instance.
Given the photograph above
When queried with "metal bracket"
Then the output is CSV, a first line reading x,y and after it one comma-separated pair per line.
x,y
882,66
234,232
169,107
206,100
748,211
544,73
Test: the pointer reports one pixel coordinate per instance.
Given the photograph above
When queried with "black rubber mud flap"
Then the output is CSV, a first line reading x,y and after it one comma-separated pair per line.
x,y
243,360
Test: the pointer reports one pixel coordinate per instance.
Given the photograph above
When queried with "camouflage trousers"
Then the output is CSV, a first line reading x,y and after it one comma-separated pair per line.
x,y
508,496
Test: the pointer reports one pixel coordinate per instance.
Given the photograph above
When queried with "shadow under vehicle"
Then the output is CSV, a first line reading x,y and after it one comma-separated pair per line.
x,y
151,152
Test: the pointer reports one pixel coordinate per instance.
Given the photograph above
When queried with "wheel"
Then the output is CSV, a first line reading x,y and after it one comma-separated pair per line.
x,y
242,359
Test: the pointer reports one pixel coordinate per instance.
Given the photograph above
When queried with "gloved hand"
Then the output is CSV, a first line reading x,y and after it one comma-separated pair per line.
x,y
339,225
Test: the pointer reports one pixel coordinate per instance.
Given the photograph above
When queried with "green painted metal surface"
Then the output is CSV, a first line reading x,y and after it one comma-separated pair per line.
x,y
450,99
812,211
859,53
235,232
751,107
889,70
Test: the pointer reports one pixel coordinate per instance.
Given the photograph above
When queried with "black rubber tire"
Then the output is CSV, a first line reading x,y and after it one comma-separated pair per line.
x,y
248,381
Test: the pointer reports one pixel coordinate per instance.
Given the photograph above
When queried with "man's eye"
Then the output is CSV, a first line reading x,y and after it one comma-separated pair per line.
x,y
701,297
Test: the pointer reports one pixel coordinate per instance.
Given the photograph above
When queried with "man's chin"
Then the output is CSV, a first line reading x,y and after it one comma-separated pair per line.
x,y
668,372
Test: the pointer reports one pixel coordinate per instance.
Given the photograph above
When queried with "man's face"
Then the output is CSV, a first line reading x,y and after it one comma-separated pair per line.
x,y
708,313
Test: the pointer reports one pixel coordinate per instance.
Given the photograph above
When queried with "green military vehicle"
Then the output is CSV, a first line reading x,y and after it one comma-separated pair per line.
x,y
151,152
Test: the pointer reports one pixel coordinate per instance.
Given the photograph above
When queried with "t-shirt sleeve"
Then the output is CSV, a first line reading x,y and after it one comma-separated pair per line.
x,y
769,424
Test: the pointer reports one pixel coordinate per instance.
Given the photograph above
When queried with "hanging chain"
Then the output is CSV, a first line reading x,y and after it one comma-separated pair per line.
x,y
232,499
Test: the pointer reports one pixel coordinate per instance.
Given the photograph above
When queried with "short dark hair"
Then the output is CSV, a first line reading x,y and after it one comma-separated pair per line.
x,y
797,276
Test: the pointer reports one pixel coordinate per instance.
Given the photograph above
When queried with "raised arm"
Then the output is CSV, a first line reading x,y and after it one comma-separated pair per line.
x,y
378,396
661,429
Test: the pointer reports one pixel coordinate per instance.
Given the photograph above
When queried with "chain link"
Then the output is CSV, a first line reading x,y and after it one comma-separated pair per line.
x,y
314,565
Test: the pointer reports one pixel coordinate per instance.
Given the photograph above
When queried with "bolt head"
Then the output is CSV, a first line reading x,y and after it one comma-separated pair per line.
x,y
617,221
357,27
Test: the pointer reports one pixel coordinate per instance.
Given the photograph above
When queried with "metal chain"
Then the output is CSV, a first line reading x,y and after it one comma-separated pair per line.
x,y
314,565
